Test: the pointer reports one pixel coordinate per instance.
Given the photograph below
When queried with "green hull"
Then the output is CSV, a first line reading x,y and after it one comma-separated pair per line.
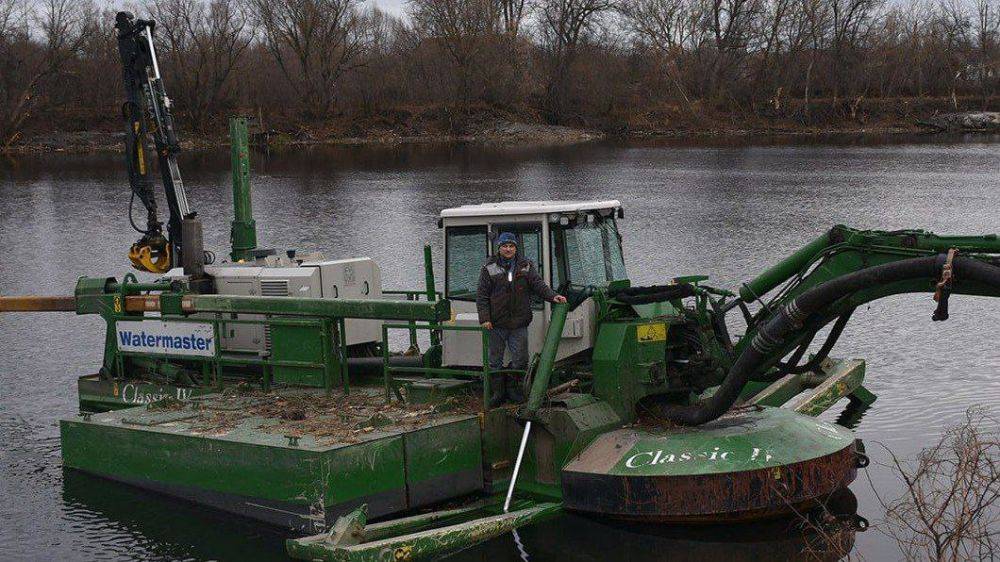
x,y
299,484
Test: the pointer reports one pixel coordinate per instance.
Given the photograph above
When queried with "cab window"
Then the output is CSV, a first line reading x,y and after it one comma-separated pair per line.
x,y
466,249
586,252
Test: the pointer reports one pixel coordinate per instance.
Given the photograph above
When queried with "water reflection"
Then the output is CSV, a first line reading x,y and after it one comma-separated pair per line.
x,y
577,538
116,520
120,521
852,414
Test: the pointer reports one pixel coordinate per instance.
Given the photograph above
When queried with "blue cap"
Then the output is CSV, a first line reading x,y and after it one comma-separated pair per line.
x,y
507,238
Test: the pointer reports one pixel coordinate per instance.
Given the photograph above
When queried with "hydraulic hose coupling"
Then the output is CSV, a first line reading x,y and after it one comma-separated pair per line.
x,y
943,289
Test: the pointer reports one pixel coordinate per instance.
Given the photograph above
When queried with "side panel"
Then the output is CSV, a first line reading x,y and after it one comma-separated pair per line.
x,y
287,486
462,348
358,278
300,344
371,472
578,334
242,281
628,362
443,462
97,395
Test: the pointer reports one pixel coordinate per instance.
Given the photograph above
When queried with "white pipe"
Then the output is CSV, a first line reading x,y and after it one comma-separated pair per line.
x,y
152,53
517,466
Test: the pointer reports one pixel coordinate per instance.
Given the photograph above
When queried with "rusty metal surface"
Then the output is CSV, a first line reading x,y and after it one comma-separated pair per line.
x,y
37,304
735,496
751,463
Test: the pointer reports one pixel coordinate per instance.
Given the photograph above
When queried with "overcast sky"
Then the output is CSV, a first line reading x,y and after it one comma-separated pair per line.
x,y
391,6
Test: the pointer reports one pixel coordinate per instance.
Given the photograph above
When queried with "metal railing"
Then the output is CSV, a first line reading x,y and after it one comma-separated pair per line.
x,y
412,325
484,373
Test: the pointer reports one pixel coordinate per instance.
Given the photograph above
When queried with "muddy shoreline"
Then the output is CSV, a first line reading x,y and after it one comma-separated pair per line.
x,y
93,129
520,134
106,136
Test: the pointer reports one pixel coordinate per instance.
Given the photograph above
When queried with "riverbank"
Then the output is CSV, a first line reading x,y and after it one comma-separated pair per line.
x,y
818,118
510,133
499,133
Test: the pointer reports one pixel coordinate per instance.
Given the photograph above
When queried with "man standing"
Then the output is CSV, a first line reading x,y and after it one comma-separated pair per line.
x,y
503,301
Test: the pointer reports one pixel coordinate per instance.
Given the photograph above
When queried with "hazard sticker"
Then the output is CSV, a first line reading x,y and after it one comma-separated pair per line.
x,y
646,333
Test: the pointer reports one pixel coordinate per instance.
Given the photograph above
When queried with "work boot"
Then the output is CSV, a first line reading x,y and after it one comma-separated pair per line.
x,y
498,390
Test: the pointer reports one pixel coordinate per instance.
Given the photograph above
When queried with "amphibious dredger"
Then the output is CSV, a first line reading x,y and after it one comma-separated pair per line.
x,y
266,386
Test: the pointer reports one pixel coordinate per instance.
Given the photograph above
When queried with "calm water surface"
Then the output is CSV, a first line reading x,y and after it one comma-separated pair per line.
x,y
727,210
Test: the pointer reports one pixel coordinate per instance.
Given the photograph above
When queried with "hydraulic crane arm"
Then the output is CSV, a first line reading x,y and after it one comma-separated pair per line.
x,y
844,250
825,281
147,112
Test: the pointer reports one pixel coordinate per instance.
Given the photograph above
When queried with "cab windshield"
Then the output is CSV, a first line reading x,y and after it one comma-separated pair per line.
x,y
586,251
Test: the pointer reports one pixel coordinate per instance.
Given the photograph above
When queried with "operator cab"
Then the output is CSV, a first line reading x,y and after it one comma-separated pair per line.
x,y
574,244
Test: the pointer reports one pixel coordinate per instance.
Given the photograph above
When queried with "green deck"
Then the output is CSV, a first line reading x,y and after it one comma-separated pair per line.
x,y
298,474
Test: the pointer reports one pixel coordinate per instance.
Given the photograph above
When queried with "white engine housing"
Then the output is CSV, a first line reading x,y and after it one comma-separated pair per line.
x,y
355,278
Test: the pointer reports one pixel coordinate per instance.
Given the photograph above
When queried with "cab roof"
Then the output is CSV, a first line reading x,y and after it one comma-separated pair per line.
x,y
527,208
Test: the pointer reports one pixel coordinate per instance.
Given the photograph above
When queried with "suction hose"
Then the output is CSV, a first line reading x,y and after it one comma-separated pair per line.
x,y
771,338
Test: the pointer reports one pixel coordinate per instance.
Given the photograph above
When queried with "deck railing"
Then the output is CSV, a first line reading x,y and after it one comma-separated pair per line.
x,y
484,372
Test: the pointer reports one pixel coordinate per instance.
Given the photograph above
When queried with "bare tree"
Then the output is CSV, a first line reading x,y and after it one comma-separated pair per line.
x,y
987,25
851,22
464,28
28,66
15,45
91,88
205,40
314,42
565,23
950,509
378,84
729,24
770,38
667,25
512,15
666,64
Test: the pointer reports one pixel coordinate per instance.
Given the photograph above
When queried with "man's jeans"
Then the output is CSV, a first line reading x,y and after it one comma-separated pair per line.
x,y
516,341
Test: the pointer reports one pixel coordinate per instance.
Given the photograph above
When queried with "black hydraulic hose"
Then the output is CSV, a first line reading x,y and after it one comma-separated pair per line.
x,y
790,318
793,368
130,218
654,293
824,351
793,362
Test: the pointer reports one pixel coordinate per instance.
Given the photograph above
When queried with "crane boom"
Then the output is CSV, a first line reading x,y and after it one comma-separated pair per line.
x,y
147,113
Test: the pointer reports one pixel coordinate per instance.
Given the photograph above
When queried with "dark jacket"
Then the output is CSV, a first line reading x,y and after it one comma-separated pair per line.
x,y
508,304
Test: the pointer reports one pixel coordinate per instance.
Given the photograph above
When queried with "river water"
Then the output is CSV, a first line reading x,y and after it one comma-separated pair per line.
x,y
727,209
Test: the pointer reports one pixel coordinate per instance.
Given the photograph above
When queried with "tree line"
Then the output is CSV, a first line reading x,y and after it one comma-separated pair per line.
x,y
612,64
